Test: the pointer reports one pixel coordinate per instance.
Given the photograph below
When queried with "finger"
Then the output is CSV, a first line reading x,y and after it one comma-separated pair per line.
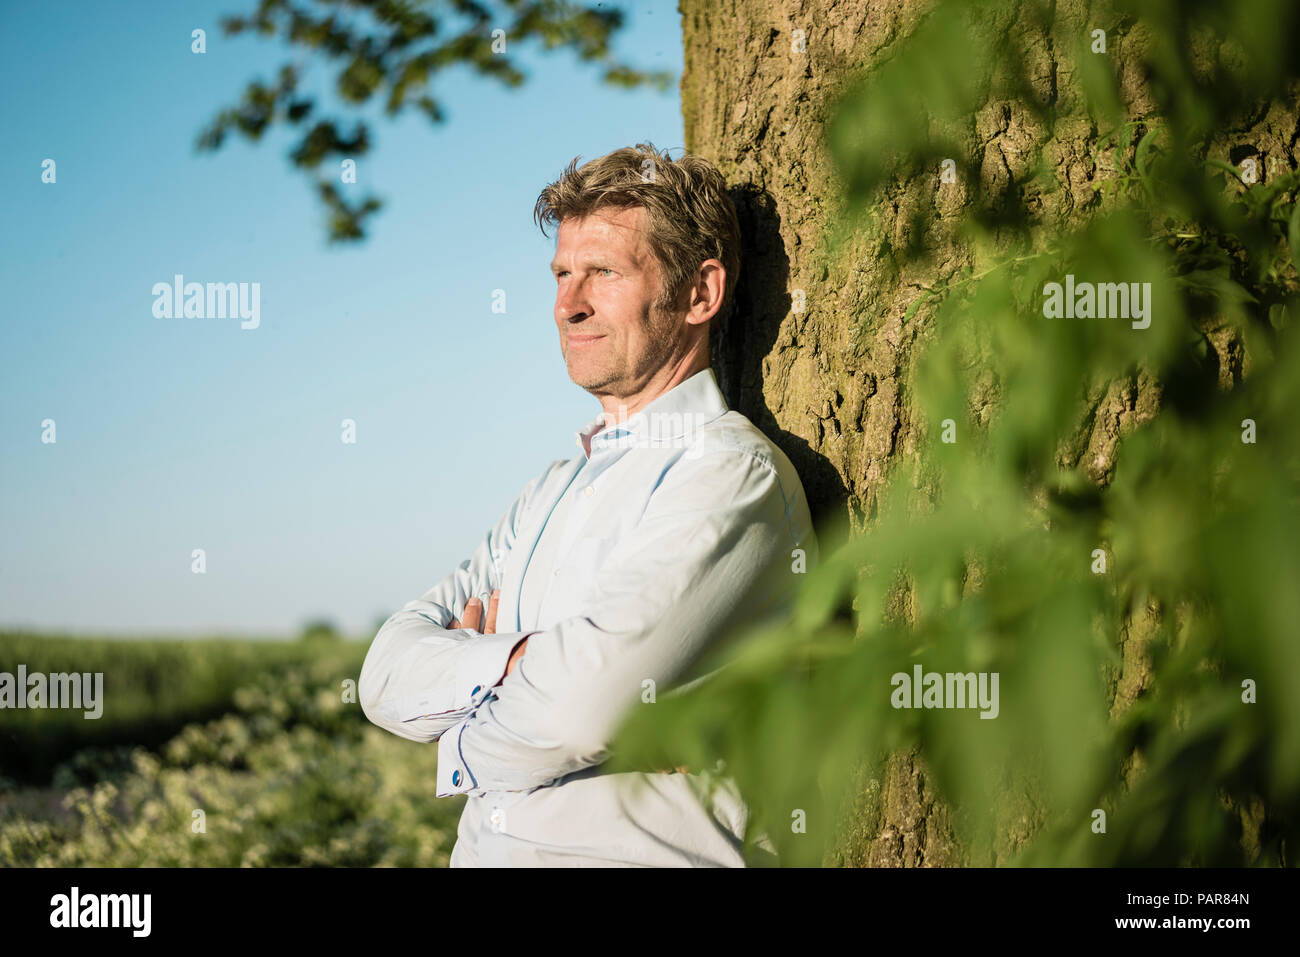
x,y
473,614
492,612
455,624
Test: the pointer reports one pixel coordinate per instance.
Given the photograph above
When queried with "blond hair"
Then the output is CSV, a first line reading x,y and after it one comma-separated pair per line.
x,y
690,215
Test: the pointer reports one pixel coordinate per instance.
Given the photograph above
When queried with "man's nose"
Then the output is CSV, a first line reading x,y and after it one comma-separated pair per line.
x,y
571,304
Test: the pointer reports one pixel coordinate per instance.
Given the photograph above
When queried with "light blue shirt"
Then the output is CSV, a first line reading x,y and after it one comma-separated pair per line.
x,y
622,566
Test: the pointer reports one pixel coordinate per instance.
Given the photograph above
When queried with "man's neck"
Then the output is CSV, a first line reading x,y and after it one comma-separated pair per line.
x,y
619,408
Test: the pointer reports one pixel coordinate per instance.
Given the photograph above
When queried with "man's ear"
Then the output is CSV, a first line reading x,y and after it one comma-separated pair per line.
x,y
708,291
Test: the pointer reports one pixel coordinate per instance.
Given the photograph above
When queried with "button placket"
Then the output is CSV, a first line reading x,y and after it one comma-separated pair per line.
x,y
575,521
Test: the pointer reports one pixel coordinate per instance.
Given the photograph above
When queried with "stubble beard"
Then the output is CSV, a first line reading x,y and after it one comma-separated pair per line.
x,y
619,373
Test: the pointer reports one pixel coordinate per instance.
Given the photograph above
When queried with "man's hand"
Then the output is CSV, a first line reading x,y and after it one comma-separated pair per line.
x,y
474,615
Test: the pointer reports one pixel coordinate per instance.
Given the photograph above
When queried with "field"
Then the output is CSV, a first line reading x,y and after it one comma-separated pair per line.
x,y
213,753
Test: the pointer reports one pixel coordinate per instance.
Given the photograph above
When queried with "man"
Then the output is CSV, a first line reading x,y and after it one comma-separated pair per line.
x,y
614,571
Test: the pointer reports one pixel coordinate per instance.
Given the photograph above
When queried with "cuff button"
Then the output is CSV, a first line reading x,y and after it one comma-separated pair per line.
x,y
455,778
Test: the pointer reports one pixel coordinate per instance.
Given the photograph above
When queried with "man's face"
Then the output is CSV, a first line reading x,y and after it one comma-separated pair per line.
x,y
607,282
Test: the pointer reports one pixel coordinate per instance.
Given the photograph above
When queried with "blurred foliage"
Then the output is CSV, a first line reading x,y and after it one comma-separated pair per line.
x,y
294,775
319,630
980,557
150,689
387,53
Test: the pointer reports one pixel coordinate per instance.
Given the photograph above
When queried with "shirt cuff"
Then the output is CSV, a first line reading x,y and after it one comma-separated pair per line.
x,y
483,664
453,776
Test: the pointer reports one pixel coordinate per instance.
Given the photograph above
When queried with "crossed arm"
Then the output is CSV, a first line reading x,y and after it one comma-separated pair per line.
x,y
473,615
517,711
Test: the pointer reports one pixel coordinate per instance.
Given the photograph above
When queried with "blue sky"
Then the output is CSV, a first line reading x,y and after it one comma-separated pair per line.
x,y
176,434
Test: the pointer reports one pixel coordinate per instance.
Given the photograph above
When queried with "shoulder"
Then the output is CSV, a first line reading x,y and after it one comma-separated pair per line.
x,y
733,434
732,443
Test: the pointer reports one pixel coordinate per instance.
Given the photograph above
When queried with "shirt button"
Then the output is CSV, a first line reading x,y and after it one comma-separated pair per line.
x,y
455,778
589,491
498,819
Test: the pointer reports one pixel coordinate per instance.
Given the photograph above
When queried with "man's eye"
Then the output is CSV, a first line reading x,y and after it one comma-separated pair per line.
x,y
565,272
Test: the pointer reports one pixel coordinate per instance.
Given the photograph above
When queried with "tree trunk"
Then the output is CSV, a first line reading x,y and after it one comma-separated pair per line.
x,y
817,354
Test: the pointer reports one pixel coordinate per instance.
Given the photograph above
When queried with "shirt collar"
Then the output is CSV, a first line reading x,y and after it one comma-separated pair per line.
x,y
673,415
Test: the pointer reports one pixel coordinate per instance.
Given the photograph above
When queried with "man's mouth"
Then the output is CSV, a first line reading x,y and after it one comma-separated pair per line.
x,y
577,340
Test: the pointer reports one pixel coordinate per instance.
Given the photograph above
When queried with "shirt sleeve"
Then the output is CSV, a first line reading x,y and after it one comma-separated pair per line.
x,y
419,678
712,551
